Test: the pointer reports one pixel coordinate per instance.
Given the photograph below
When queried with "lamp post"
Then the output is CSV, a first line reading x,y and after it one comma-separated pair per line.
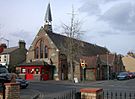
x,y
108,70
2,38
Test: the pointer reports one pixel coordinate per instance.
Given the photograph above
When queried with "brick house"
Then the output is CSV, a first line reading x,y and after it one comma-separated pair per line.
x,y
101,66
13,55
48,47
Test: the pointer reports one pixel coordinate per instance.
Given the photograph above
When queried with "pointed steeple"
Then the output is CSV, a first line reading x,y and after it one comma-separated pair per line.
x,y
48,15
48,19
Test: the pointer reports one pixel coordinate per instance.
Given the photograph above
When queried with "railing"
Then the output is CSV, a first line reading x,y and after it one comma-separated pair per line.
x,y
119,94
107,94
69,94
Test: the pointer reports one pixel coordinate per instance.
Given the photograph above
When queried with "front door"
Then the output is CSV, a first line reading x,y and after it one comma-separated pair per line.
x,y
90,74
45,74
64,72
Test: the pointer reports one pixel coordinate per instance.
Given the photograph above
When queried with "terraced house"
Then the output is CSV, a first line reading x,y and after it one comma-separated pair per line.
x,y
47,49
11,57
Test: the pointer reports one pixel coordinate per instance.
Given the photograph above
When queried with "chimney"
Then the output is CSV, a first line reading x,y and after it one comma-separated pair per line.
x,y
2,47
22,44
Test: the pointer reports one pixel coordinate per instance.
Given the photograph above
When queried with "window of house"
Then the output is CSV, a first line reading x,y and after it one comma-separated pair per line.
x,y
5,60
23,70
41,49
46,52
5,56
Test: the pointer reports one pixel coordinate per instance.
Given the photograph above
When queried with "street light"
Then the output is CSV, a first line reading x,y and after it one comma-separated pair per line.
x,y
2,38
108,70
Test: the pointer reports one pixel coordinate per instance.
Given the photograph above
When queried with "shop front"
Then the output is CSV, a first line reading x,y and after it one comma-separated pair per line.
x,y
33,71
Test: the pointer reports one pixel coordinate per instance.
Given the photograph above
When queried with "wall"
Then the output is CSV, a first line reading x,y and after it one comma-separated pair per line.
x,y
17,57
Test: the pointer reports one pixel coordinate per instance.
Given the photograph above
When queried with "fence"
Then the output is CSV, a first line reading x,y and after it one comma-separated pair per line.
x,y
69,94
118,94
107,94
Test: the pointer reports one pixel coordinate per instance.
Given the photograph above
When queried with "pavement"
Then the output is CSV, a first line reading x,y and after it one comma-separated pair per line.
x,y
29,94
35,94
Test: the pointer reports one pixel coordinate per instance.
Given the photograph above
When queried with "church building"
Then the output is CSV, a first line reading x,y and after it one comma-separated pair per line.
x,y
46,54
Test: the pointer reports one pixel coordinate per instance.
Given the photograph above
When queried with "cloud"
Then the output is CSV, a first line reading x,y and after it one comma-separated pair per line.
x,y
14,37
117,15
91,7
121,17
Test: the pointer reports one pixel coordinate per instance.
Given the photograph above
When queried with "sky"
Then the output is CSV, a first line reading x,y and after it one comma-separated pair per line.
x,y
107,23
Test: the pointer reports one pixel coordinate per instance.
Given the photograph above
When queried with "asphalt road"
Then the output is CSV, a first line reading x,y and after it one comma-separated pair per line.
x,y
43,88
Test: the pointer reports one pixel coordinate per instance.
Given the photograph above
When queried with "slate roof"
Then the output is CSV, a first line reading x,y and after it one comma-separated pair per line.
x,y
109,58
87,49
104,59
9,50
34,63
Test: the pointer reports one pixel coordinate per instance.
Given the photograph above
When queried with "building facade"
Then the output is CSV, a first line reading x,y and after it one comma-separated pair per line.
x,y
101,67
11,57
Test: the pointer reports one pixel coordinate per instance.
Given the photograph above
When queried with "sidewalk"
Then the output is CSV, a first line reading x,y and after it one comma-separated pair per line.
x,y
29,94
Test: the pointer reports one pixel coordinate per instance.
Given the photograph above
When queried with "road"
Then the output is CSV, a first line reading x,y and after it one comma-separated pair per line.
x,y
52,87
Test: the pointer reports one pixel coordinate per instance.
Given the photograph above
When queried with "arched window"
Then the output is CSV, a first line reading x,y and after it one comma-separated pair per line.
x,y
41,48
36,53
46,52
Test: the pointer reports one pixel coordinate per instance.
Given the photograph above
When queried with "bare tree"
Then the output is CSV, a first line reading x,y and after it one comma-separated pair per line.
x,y
72,42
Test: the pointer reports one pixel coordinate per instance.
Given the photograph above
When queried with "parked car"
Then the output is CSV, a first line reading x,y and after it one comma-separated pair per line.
x,y
131,75
4,75
123,76
23,83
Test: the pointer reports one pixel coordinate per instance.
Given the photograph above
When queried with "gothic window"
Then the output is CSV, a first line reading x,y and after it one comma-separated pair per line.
x,y
41,49
46,52
36,53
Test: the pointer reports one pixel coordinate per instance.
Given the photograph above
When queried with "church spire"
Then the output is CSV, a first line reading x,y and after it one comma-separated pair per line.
x,y
48,19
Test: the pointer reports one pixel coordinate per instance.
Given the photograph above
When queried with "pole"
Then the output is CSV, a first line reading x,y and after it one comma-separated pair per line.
x,y
107,68
5,40
83,78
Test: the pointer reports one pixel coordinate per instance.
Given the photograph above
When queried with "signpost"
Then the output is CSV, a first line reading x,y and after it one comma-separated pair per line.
x,y
83,65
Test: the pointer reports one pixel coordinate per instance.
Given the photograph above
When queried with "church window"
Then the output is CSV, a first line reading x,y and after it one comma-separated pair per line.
x,y
36,53
46,52
41,49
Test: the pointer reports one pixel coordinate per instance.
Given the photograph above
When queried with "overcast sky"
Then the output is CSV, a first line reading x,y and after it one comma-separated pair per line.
x,y
108,23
